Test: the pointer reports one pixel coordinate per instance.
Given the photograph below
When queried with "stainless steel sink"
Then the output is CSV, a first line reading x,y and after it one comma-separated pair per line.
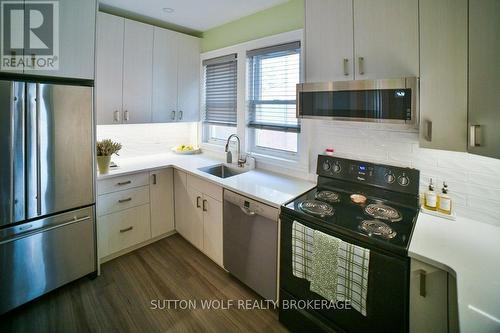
x,y
222,170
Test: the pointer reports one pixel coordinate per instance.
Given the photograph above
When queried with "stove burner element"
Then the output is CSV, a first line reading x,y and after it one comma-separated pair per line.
x,y
377,228
328,196
383,212
316,207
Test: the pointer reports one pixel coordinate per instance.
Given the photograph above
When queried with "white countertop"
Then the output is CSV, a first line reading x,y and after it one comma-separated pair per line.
x,y
267,187
470,250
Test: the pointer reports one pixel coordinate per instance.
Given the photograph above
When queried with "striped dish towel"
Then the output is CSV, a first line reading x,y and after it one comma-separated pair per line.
x,y
302,247
352,275
350,283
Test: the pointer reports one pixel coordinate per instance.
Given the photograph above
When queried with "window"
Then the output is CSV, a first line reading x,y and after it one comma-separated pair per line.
x,y
220,98
273,74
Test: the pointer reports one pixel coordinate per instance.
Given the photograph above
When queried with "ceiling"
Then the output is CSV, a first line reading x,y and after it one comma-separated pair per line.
x,y
199,15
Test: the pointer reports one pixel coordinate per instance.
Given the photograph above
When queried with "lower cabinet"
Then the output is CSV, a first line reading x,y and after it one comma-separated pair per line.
x,y
132,211
194,223
161,189
212,228
433,302
198,213
123,229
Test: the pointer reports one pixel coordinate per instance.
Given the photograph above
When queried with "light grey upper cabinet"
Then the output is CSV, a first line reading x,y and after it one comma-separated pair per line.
x,y
484,78
443,74
137,72
188,79
176,77
109,76
329,40
165,76
361,39
145,74
385,38
75,40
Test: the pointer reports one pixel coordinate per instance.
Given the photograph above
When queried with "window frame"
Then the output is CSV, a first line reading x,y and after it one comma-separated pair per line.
x,y
251,88
207,138
207,127
296,163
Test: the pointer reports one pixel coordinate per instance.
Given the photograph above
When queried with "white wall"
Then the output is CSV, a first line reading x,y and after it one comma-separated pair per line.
x,y
148,139
474,181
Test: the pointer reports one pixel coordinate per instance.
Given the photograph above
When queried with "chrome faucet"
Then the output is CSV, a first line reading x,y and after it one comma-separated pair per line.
x,y
241,162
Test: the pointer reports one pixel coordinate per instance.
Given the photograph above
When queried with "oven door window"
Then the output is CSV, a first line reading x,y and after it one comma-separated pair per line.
x,y
381,104
388,290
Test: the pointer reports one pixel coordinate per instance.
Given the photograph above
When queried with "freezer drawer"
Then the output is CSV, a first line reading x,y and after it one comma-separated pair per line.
x,y
39,256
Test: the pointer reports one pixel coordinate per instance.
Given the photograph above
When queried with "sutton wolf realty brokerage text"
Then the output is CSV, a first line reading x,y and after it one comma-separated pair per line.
x,y
248,304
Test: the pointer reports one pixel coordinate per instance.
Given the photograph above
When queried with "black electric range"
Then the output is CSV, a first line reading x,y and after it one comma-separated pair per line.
x,y
371,203
373,206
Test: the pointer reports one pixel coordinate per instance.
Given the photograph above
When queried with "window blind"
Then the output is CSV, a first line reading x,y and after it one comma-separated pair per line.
x,y
273,75
220,90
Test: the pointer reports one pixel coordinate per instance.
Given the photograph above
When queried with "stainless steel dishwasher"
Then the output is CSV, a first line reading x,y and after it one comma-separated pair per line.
x,y
251,243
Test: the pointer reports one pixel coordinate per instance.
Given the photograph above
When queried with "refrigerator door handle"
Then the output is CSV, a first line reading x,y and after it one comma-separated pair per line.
x,y
16,155
38,151
14,98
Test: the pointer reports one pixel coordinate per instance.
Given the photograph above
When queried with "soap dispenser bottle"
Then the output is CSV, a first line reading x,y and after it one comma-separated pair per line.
x,y
444,201
430,196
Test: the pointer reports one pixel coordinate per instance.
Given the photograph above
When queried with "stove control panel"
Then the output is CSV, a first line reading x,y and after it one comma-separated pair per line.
x,y
385,176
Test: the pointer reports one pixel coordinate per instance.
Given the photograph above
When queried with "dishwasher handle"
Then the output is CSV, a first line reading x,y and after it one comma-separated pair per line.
x,y
247,211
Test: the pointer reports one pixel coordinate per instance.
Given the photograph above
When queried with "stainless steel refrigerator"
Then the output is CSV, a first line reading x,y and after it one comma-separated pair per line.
x,y
47,195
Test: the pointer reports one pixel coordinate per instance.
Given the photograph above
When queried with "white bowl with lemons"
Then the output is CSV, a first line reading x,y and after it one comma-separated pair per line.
x,y
186,150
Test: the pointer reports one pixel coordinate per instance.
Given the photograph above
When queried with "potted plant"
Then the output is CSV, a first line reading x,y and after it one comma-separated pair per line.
x,y
105,149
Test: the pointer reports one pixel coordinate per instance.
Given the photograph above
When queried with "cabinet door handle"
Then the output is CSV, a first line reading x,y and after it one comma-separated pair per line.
x,y
126,229
423,275
475,136
428,130
204,205
124,183
198,202
125,115
180,115
154,178
116,116
361,65
346,66
173,115
125,200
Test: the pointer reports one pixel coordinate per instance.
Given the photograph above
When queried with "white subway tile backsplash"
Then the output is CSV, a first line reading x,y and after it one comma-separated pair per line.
x,y
492,181
474,181
148,139
482,204
478,215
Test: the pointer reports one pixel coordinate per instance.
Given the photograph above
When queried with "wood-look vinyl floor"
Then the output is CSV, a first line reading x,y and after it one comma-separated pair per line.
x,y
120,299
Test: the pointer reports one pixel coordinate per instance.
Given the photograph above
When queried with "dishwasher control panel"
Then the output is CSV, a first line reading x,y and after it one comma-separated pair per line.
x,y
250,206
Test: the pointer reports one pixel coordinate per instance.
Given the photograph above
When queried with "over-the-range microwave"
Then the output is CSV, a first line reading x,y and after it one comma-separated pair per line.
x,y
387,101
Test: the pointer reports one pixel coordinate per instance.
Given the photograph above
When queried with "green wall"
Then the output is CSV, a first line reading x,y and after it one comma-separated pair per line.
x,y
285,17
